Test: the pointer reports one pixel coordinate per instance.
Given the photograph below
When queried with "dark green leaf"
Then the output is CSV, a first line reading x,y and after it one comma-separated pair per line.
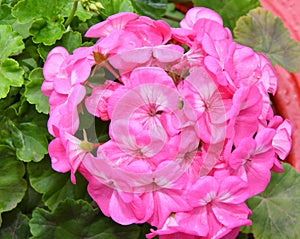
x,y
75,220
30,144
54,186
25,131
33,91
46,32
264,33
173,16
15,226
151,8
276,211
10,42
30,201
230,10
10,75
12,184
115,6
71,40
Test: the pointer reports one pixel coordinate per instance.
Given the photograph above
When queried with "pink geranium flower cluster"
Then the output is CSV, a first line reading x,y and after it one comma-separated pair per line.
x,y
191,131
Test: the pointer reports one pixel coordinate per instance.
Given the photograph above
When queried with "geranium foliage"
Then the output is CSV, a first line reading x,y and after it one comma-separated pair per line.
x,y
39,202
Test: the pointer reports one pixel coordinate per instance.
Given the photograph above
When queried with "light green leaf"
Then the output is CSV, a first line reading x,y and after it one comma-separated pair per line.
x,y
264,33
12,184
5,15
54,186
22,28
112,7
46,32
151,8
33,92
276,211
230,10
75,220
28,10
10,42
15,226
10,75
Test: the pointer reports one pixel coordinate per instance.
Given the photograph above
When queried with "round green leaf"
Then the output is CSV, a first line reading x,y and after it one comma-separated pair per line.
x,y
276,211
28,10
46,32
11,74
75,220
33,91
12,184
10,42
54,186
264,33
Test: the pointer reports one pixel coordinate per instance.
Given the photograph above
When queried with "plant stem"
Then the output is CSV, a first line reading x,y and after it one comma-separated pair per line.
x,y
71,16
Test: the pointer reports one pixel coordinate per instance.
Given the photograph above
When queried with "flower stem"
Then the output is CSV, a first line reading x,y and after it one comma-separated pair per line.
x,y
71,16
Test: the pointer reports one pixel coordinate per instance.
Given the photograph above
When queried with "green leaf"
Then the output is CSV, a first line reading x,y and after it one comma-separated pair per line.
x,y
31,200
5,15
230,10
81,13
114,6
75,220
46,32
28,10
15,226
12,184
173,16
46,16
276,211
264,33
151,8
30,144
71,40
10,75
10,42
54,186
33,92
25,131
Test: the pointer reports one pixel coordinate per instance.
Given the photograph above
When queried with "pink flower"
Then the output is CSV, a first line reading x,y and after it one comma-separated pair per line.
x,y
59,158
97,102
191,132
245,111
112,23
196,13
253,159
53,64
218,208
64,116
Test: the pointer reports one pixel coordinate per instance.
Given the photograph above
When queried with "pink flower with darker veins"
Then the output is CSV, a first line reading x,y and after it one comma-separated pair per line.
x,y
169,126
